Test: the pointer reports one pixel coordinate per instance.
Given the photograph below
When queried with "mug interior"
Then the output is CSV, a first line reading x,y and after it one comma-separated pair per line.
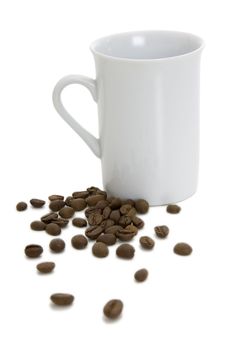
x,y
147,45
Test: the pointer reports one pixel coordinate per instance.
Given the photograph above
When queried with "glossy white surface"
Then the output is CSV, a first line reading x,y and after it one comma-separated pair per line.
x,y
148,102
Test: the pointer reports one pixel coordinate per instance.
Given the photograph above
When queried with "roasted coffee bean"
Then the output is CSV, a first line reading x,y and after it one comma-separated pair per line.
x,y
57,245
62,299
93,232
56,205
125,220
66,212
115,203
91,210
141,275
125,208
78,204
182,249
113,229
142,206
113,308
147,242
53,229
21,206
161,231
100,250
106,212
125,251
60,222
79,242
55,197
93,200
133,229
95,219
49,217
115,215
38,226
102,204
33,250
92,190
107,223
128,201
68,200
45,267
139,223
173,209
125,235
107,238
80,194
132,212
37,203
79,222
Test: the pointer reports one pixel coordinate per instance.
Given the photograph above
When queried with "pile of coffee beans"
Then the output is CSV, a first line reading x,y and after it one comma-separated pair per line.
x,y
108,220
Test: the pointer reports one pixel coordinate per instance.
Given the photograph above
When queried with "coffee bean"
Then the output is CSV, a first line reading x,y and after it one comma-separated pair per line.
x,y
173,209
91,210
37,203
141,275
68,200
107,238
62,299
93,232
125,251
33,250
57,245
79,222
92,190
107,223
106,212
60,222
161,231
102,204
133,229
132,212
21,206
45,267
147,242
66,212
93,200
115,215
139,223
113,308
79,242
113,229
53,229
124,209
95,219
128,201
142,206
125,235
55,197
38,226
125,220
115,203
182,249
100,250
78,204
49,217
56,205
80,194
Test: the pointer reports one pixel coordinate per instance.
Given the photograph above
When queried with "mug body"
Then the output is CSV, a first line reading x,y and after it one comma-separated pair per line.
x,y
148,107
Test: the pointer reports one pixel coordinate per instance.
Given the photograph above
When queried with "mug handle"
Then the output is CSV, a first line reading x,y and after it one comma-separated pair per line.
x,y
90,84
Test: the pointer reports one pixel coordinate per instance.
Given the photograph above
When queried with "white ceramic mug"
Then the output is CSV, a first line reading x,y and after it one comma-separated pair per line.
x,y
147,91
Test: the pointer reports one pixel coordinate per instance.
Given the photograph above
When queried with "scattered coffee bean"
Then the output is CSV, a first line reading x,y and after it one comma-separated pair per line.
x,y
139,223
38,225
33,250
62,299
57,245
49,217
94,199
102,204
56,205
173,209
128,201
132,229
161,231
78,204
37,203
45,267
182,249
125,235
80,194
100,250
141,275
107,238
115,203
53,229
68,200
125,251
115,215
106,212
66,212
55,197
107,223
147,242
92,190
113,229
93,232
21,206
125,220
113,308
79,242
60,222
92,210
79,222
132,212
125,208
95,219
142,206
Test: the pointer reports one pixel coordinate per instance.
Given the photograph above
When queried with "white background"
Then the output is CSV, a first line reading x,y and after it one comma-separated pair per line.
x,y
186,302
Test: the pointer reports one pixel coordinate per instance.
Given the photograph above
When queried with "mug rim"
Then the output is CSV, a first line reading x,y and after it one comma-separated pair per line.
x,y
145,32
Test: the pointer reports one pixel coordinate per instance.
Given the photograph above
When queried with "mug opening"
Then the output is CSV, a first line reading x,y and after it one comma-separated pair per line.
x,y
147,45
